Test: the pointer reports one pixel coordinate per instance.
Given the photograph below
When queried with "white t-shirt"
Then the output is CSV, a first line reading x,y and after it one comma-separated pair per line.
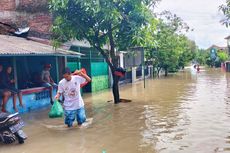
x,y
72,93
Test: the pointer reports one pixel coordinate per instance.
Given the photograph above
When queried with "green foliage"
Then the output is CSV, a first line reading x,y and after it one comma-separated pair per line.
x,y
165,44
100,22
145,36
202,57
123,24
225,8
223,56
94,19
173,50
117,22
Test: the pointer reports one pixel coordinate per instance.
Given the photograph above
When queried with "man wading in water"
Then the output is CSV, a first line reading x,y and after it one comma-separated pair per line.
x,y
69,87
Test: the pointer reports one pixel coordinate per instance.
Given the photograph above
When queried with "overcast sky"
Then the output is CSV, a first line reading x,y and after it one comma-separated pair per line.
x,y
201,15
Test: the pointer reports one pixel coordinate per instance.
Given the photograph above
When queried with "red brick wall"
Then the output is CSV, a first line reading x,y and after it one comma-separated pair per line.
x,y
33,5
40,25
33,2
27,2
32,13
41,22
7,5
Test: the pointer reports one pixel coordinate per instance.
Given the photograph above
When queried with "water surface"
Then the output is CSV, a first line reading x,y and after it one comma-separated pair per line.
x,y
183,113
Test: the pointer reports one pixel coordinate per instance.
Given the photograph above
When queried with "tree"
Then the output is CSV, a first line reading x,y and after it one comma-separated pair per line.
x,y
188,53
101,22
172,46
202,57
225,8
165,44
165,54
223,56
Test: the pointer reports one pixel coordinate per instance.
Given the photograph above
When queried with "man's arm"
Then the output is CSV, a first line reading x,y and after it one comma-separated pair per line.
x,y
58,95
76,72
88,79
80,73
60,91
51,80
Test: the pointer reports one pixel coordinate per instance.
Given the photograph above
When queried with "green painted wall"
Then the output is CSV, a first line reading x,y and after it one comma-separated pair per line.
x,y
73,63
100,82
73,66
99,73
99,68
95,66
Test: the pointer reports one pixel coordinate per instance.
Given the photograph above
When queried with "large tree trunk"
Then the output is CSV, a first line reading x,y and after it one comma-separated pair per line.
x,y
115,85
116,95
166,71
112,61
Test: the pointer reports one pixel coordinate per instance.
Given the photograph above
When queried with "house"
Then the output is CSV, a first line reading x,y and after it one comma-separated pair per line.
x,y
27,58
35,14
94,64
133,61
217,48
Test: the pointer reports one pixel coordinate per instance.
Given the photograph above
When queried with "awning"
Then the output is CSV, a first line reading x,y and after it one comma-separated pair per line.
x,y
16,46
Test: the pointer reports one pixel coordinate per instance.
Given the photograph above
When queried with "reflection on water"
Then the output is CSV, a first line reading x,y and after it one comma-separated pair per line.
x,y
195,120
187,113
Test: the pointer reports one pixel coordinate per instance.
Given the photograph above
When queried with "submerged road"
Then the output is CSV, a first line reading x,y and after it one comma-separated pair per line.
x,y
183,113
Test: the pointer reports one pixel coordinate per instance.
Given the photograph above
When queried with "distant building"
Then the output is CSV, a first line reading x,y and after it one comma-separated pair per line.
x,y
217,48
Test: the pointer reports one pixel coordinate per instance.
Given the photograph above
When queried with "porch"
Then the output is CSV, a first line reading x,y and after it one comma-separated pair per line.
x,y
27,59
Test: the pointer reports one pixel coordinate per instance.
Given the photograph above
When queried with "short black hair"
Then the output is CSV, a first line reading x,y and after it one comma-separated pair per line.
x,y
66,70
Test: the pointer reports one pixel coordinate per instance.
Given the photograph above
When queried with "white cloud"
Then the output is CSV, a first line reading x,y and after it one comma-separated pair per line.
x,y
201,15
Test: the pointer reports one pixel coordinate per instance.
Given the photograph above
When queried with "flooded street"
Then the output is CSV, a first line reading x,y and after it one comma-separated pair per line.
x,y
181,113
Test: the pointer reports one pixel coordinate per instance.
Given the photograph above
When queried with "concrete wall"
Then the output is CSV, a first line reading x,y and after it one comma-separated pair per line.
x,y
32,101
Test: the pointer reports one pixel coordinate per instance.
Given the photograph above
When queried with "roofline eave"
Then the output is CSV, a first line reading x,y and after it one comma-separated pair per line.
x,y
33,55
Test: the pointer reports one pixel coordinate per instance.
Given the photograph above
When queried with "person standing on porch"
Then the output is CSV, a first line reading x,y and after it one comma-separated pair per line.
x,y
47,80
69,87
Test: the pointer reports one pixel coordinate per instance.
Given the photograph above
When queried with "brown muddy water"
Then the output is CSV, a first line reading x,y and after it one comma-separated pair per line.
x,y
184,113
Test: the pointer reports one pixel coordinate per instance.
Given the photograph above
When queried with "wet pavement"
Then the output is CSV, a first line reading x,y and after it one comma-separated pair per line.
x,y
183,113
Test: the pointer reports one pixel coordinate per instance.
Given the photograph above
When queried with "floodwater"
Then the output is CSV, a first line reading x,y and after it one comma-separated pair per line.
x,y
183,113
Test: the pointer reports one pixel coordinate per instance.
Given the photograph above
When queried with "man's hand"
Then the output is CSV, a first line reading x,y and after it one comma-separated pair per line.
x,y
83,74
80,73
57,96
77,72
88,79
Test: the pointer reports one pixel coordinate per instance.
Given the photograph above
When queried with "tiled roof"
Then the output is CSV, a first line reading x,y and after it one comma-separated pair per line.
x,y
217,47
10,45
